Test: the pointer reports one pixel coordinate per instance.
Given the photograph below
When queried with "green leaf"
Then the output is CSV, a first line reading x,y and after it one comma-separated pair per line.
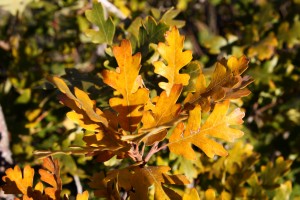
x,y
14,6
169,16
152,32
106,31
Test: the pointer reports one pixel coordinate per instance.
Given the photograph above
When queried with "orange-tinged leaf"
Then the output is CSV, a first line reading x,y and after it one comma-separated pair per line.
x,y
51,176
15,182
85,109
217,125
83,196
127,81
238,66
157,118
124,78
129,114
226,83
210,194
165,109
139,179
39,187
172,52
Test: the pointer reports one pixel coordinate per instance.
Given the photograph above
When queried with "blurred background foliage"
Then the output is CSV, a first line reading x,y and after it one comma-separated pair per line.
x,y
43,37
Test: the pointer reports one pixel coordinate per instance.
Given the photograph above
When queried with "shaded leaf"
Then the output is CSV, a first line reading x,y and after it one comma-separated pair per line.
x,y
226,83
51,175
84,109
271,173
265,49
136,180
16,182
151,32
168,18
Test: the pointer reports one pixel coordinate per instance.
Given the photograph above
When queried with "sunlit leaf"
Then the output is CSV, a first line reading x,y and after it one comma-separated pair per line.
x,y
127,81
216,126
83,196
172,52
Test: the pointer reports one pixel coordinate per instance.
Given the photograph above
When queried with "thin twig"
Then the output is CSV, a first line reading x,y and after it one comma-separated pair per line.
x,y
143,149
152,151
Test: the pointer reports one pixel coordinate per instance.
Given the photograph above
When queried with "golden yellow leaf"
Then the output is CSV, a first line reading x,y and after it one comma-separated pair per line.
x,y
265,49
139,179
16,182
172,52
127,81
226,83
192,194
216,126
165,109
85,111
51,176
83,196
210,194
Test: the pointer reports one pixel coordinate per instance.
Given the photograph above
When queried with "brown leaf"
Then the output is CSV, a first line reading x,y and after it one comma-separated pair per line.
x,y
51,176
226,83
136,180
84,109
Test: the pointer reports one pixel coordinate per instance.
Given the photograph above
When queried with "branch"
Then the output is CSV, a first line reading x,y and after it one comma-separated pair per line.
x,y
152,151
4,139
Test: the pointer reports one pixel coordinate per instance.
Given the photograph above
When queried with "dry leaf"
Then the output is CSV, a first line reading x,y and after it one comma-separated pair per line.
x,y
136,180
216,126
127,81
172,52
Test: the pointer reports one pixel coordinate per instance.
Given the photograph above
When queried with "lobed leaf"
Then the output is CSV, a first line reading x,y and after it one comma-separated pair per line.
x,y
226,83
84,109
127,81
16,182
136,180
216,126
106,31
51,175
172,52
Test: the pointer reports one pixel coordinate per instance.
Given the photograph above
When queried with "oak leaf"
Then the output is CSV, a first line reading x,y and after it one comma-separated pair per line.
x,y
226,83
172,52
160,114
16,182
51,175
216,126
106,31
85,112
136,180
265,48
127,81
